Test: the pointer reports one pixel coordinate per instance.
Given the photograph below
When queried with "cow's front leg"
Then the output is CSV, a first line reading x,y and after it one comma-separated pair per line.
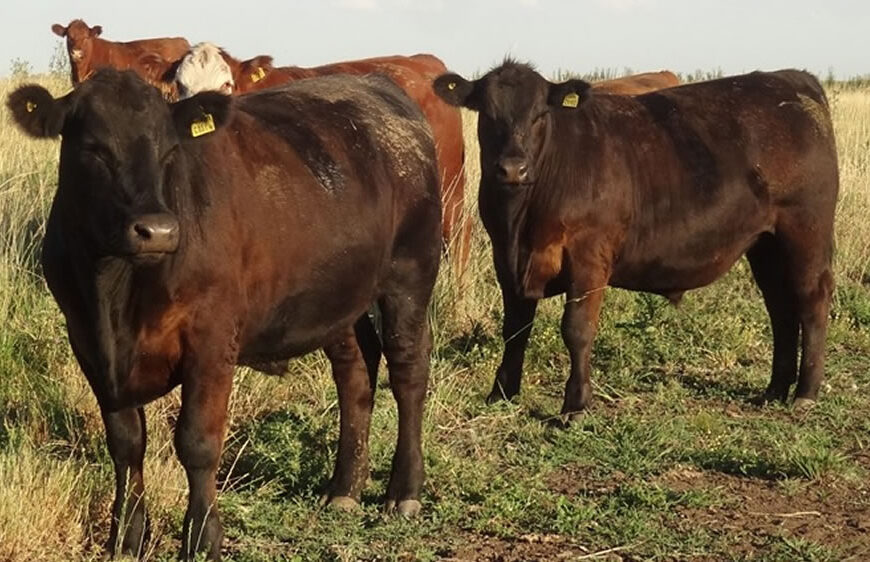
x,y
519,315
199,437
125,437
579,326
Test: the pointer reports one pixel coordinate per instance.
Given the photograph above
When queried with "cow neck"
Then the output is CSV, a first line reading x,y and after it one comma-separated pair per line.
x,y
504,211
521,211
126,300
111,300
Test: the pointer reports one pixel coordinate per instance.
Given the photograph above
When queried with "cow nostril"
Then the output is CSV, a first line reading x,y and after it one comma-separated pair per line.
x,y
142,231
523,170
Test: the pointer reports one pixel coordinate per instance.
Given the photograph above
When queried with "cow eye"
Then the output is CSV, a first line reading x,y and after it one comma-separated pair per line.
x,y
99,153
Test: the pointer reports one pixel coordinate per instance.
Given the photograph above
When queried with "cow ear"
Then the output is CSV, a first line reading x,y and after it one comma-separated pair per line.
x,y
257,68
568,94
36,111
153,66
202,114
261,60
96,31
59,30
455,90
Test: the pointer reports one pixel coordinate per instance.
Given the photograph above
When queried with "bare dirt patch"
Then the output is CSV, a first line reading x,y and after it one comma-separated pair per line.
x,y
755,512
527,548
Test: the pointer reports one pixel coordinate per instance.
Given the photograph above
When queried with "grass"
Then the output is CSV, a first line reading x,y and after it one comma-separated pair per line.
x,y
671,463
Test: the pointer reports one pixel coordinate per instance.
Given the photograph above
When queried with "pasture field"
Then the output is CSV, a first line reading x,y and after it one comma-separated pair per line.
x,y
672,462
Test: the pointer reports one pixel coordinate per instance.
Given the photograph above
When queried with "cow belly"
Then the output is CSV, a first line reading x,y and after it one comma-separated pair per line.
x,y
296,328
685,268
312,315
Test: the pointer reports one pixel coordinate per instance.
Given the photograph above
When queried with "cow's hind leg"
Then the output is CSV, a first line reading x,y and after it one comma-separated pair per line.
x,y
125,436
813,281
354,361
770,268
407,345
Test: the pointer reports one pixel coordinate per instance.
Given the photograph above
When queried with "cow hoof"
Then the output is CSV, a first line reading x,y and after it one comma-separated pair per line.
x,y
769,397
498,395
405,508
803,404
342,503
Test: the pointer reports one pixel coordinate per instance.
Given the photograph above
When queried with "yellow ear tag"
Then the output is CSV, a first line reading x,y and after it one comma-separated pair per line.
x,y
571,100
202,127
29,106
451,86
258,75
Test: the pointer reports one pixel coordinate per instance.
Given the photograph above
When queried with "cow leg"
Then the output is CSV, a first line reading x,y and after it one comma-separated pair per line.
x,y
579,326
814,288
406,346
125,437
353,380
769,267
808,247
814,301
519,316
199,437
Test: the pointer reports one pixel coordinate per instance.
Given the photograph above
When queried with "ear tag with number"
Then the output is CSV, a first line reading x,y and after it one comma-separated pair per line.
x,y
258,75
202,127
571,100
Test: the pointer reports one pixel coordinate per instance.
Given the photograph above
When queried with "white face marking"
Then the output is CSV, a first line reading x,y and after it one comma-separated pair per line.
x,y
76,54
203,69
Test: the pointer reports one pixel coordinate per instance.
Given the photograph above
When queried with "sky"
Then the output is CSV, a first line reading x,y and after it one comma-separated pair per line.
x,y
472,35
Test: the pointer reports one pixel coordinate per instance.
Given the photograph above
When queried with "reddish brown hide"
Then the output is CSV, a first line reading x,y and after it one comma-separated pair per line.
x,y
660,192
637,83
188,238
414,75
150,58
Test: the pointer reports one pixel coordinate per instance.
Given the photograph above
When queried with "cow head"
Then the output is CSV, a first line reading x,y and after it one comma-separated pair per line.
x,y
122,160
516,106
79,44
204,68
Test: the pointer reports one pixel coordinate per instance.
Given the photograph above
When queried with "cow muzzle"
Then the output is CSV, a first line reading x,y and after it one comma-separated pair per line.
x,y
152,236
513,170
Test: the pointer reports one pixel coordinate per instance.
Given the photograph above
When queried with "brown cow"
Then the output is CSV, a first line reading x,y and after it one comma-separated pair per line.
x,y
150,58
636,84
661,193
185,239
208,67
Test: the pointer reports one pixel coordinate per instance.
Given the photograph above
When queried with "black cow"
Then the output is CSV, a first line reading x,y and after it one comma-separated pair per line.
x,y
185,239
661,193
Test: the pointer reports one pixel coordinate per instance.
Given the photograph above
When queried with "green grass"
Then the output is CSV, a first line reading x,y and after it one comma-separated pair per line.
x,y
672,462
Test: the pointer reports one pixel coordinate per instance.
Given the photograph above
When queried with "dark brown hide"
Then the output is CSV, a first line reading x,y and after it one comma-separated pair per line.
x,y
267,236
662,193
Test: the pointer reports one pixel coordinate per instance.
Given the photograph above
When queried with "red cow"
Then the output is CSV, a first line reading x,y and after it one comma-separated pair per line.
x,y
150,58
208,67
637,83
